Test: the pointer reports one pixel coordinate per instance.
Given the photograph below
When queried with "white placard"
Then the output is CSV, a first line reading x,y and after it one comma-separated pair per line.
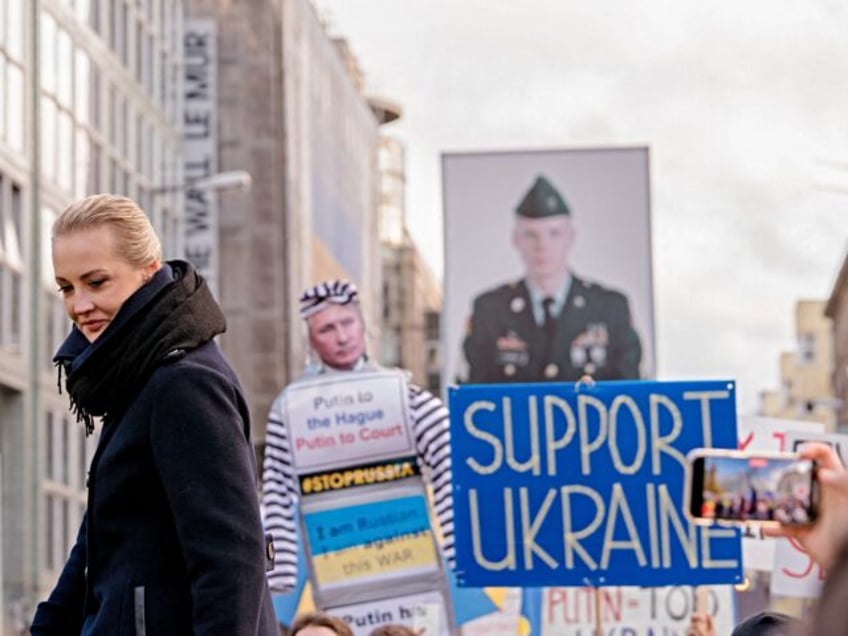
x,y
795,573
355,418
767,434
425,613
632,611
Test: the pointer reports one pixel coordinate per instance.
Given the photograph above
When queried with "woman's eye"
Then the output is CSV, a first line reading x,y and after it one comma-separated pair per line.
x,y
64,289
96,283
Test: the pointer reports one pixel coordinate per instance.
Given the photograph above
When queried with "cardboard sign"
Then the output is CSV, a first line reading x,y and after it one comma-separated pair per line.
x,y
334,419
564,484
371,542
632,611
425,613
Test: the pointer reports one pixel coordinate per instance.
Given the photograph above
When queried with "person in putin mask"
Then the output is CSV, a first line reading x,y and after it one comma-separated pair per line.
x,y
172,539
336,332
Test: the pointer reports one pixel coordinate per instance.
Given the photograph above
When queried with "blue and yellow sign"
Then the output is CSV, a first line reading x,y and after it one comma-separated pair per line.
x,y
574,484
370,542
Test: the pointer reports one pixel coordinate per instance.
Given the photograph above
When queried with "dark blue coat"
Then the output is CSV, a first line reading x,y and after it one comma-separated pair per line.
x,y
172,539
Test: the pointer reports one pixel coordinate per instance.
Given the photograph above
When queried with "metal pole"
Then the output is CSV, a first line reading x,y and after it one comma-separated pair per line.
x,y
599,623
33,420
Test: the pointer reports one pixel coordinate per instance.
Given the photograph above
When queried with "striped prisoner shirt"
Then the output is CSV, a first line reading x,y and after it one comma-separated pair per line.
x,y
430,427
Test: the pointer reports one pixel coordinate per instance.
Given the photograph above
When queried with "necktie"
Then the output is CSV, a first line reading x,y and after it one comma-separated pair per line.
x,y
549,324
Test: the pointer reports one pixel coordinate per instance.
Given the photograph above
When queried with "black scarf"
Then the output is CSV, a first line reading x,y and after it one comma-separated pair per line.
x,y
171,314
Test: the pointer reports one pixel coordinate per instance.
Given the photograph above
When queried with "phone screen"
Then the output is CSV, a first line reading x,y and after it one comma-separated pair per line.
x,y
753,488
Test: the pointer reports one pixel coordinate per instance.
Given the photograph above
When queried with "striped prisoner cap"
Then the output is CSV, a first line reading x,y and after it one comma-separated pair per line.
x,y
314,299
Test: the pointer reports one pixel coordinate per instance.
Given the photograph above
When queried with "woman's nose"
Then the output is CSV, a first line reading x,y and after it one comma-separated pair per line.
x,y
82,304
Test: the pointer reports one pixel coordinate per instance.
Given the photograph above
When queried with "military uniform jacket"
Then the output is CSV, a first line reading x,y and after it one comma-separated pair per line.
x,y
593,335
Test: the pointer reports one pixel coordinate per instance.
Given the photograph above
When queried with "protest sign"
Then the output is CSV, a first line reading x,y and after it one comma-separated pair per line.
x,y
425,613
334,418
632,611
363,506
371,542
580,484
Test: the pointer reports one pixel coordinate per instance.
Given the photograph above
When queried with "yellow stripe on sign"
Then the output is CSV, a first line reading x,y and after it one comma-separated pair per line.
x,y
306,603
364,562
497,595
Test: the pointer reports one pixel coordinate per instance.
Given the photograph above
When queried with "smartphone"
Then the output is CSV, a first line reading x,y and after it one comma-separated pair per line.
x,y
749,487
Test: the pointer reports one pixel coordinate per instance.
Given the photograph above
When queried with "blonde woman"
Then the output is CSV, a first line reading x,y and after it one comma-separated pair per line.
x,y
172,541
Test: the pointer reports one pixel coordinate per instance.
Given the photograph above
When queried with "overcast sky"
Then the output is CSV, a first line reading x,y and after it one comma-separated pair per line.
x,y
744,107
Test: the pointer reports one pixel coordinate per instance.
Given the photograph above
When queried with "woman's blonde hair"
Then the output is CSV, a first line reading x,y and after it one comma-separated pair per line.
x,y
136,240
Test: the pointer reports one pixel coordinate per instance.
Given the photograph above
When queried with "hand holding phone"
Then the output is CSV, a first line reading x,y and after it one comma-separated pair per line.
x,y
824,539
751,488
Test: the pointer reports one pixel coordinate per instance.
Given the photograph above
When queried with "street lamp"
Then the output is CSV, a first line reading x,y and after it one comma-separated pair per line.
x,y
229,180
199,243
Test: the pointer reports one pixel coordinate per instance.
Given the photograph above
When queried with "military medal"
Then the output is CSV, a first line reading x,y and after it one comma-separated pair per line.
x,y
511,351
578,356
598,354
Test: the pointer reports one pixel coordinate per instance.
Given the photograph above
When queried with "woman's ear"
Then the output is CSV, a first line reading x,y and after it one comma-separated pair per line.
x,y
149,270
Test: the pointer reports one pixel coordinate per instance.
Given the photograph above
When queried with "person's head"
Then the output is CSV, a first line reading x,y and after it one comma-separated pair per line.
x,y
394,629
319,624
334,322
104,249
766,623
543,234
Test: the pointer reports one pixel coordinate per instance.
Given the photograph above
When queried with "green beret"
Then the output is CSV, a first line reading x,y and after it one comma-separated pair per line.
x,y
542,200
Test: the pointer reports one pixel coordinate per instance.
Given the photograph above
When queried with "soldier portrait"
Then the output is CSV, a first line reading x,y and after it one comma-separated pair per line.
x,y
549,320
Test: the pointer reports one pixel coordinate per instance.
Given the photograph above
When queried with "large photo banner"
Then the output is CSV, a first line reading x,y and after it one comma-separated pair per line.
x,y
574,484
571,226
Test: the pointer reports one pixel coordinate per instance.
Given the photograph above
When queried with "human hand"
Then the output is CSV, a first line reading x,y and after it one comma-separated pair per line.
x,y
700,624
823,539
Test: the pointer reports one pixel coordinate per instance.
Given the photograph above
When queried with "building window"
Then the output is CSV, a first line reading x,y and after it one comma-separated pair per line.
x,y
432,322
15,120
806,348
67,455
11,265
16,300
49,539
49,465
57,326
15,28
432,356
